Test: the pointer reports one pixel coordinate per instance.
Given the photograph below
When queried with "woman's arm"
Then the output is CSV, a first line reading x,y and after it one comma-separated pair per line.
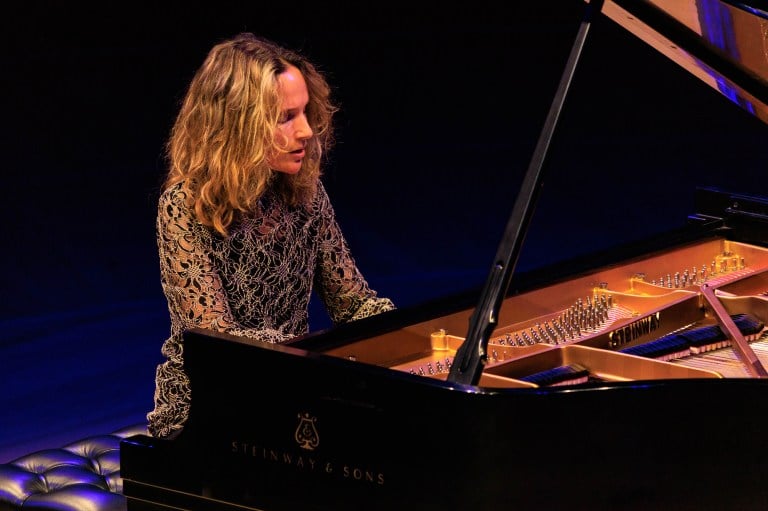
x,y
340,284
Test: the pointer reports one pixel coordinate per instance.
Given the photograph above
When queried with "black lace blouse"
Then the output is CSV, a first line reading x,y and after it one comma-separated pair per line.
x,y
255,283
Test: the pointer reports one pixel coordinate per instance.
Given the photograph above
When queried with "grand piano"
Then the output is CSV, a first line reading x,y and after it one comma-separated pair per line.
x,y
634,377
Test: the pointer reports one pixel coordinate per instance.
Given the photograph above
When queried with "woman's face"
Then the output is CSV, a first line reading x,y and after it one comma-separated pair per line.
x,y
293,129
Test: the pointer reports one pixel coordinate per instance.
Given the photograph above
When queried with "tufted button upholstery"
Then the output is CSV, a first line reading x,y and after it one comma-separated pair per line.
x,y
81,476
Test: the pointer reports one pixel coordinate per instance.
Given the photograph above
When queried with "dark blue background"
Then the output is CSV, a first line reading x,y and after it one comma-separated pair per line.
x,y
440,114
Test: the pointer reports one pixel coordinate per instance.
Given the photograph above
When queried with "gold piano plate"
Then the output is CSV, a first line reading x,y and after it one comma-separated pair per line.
x,y
602,365
649,296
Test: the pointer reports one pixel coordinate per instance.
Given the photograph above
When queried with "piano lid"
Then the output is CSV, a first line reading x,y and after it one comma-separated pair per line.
x,y
722,42
699,35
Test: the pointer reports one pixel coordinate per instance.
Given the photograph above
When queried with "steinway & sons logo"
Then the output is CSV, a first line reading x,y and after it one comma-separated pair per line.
x,y
634,330
306,432
307,438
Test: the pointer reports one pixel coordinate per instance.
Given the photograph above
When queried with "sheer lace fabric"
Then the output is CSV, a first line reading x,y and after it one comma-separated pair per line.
x,y
255,283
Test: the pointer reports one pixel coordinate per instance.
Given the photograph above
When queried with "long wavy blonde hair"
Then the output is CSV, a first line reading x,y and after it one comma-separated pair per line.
x,y
225,130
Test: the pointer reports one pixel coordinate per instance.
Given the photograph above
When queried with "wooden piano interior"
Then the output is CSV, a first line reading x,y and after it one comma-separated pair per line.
x,y
595,320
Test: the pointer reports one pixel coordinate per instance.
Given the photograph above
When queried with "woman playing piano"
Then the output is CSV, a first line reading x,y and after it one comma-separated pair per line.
x,y
245,228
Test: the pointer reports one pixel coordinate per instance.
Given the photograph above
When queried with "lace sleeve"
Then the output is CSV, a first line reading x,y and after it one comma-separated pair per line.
x,y
341,285
193,288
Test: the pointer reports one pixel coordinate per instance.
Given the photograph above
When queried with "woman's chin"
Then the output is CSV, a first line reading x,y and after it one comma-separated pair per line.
x,y
286,169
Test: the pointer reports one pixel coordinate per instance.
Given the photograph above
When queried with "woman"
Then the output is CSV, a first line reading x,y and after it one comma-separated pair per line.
x,y
245,228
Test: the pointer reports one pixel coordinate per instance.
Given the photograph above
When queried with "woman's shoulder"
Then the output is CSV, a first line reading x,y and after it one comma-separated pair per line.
x,y
174,205
174,195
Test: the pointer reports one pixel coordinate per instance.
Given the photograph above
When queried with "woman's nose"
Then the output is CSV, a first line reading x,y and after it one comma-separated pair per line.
x,y
303,129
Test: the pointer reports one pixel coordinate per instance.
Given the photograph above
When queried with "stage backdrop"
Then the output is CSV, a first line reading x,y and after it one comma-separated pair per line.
x,y
440,112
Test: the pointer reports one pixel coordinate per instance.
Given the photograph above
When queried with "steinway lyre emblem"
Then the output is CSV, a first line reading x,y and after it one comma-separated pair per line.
x,y
306,434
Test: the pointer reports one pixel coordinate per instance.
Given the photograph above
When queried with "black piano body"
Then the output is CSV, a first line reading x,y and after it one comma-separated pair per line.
x,y
565,415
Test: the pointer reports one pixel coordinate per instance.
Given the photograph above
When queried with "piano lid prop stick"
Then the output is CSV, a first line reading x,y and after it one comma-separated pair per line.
x,y
740,344
472,355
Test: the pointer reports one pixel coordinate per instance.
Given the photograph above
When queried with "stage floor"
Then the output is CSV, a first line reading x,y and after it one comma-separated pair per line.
x,y
71,375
